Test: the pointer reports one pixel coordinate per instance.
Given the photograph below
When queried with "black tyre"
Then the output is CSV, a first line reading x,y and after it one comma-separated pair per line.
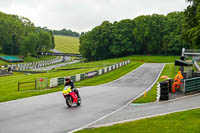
x,y
69,101
164,97
79,101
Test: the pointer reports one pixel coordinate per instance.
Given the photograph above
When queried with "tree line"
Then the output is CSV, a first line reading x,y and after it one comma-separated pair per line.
x,y
145,35
65,32
19,36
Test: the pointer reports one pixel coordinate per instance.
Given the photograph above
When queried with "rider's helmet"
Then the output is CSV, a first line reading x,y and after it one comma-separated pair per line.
x,y
68,80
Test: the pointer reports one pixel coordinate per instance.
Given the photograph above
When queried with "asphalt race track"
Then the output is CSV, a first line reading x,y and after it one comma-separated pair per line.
x,y
49,113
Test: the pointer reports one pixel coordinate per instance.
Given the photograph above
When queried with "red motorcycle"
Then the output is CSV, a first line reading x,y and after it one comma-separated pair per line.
x,y
71,97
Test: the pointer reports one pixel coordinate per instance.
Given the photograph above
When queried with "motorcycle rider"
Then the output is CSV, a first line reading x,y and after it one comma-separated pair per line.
x,y
69,82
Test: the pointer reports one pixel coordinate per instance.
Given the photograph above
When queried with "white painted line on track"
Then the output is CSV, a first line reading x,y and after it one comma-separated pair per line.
x,y
151,85
86,126
140,118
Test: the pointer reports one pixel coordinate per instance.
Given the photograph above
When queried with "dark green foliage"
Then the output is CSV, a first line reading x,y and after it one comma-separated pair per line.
x,y
65,32
18,36
121,44
150,35
192,24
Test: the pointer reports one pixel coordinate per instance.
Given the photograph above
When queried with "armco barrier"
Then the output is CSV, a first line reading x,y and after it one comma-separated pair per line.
x,y
110,68
60,81
113,67
117,65
192,84
73,78
82,76
100,71
78,77
105,70
53,82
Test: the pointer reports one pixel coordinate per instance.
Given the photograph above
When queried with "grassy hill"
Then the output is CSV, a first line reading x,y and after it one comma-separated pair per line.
x,y
67,44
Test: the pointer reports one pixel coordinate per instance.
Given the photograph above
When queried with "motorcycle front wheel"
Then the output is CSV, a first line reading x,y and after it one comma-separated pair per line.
x,y
69,101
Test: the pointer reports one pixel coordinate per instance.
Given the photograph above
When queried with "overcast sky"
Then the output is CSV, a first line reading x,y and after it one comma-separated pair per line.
x,y
83,15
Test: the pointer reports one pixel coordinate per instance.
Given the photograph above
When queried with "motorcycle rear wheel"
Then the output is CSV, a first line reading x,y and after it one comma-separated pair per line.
x,y
79,101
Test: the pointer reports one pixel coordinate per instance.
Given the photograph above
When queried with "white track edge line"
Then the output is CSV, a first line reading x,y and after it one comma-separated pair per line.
x,y
150,116
81,128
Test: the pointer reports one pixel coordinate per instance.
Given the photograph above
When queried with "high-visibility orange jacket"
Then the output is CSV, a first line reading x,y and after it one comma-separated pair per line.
x,y
178,77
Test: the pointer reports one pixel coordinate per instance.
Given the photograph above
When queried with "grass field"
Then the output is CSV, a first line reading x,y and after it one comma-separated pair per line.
x,y
181,122
9,84
154,59
67,44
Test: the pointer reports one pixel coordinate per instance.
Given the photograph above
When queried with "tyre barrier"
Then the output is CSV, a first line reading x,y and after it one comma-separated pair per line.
x,y
163,90
78,77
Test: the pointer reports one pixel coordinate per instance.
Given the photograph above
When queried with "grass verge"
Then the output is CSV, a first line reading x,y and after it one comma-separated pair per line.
x,y
181,122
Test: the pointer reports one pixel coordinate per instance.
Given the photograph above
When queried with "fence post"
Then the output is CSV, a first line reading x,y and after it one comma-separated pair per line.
x,y
184,87
46,83
18,85
35,84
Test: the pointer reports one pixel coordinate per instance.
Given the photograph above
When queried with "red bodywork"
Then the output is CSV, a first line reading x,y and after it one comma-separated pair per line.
x,y
74,96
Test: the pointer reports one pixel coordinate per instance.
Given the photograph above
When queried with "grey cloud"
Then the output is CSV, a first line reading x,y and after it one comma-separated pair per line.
x,y
83,15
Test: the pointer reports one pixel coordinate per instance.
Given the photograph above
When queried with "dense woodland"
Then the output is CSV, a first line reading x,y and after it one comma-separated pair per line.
x,y
65,32
19,36
145,35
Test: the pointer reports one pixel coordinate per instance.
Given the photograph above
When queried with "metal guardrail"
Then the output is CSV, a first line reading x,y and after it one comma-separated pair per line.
x,y
60,81
191,52
197,66
60,54
192,84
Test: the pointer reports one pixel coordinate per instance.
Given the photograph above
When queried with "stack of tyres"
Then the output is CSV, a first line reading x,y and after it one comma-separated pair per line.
x,y
170,85
164,90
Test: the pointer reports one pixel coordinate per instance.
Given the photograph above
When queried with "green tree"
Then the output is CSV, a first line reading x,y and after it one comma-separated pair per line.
x,y
123,40
191,32
29,44
94,45
17,34
172,40
148,33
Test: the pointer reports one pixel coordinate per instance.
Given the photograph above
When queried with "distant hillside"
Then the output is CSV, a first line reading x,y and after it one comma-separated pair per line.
x,y
19,36
67,44
65,32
